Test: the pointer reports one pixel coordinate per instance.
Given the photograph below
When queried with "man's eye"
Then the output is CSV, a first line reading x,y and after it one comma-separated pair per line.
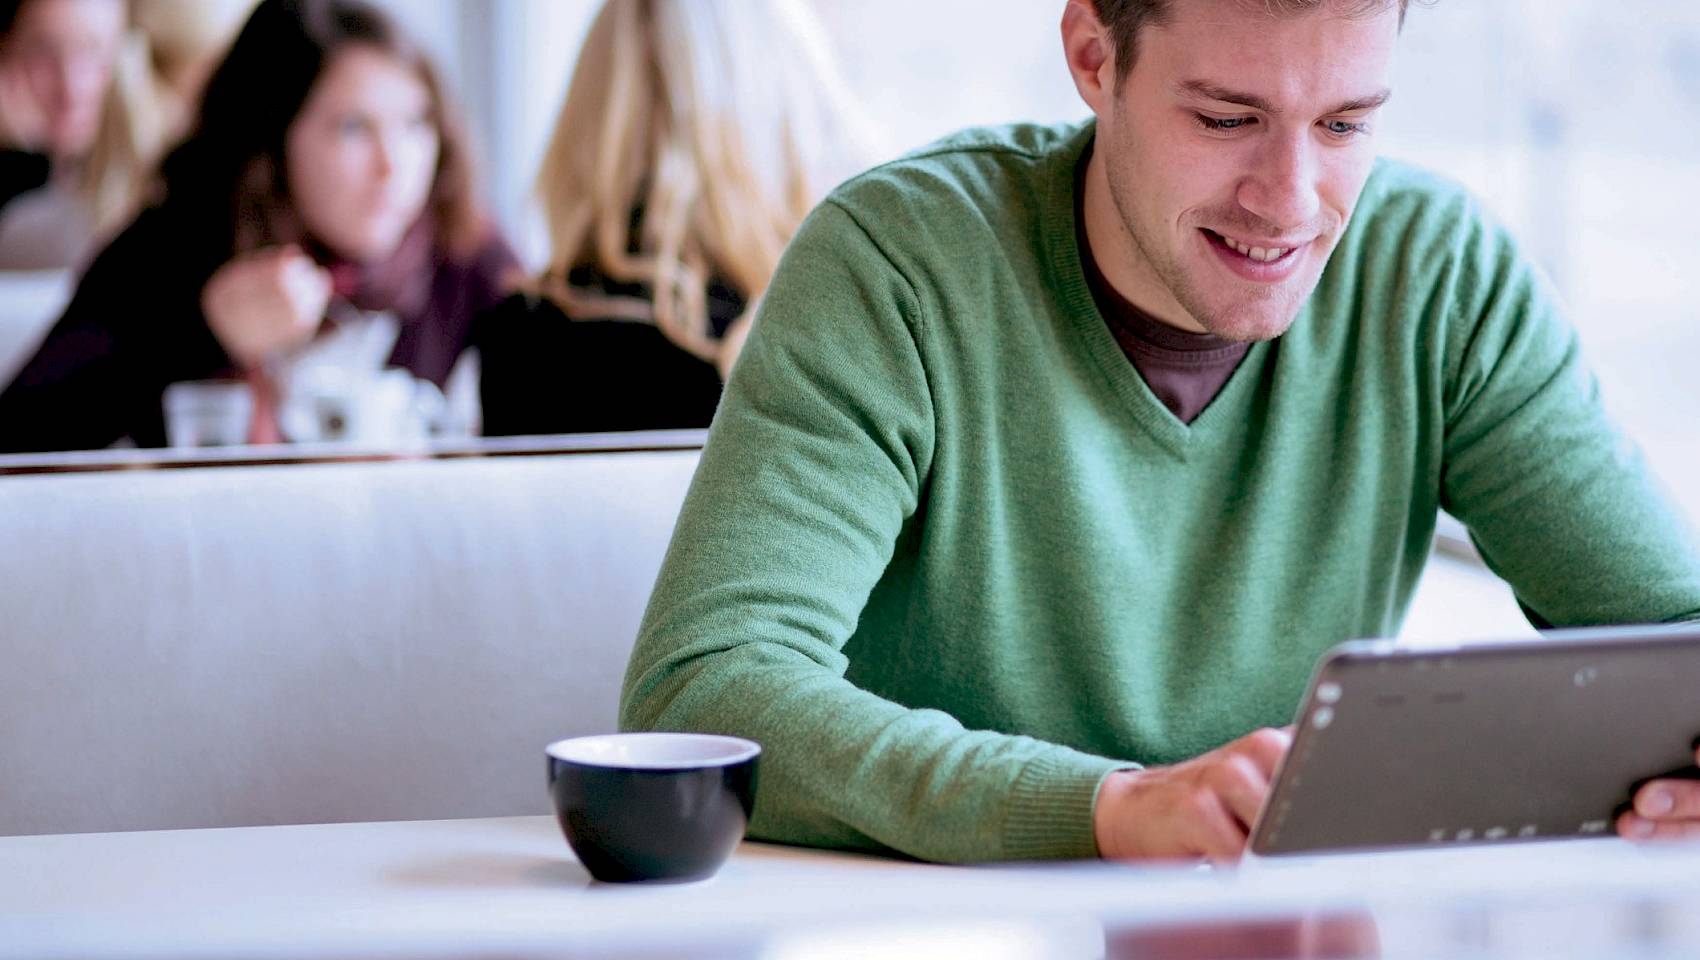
x,y
1344,128
1222,123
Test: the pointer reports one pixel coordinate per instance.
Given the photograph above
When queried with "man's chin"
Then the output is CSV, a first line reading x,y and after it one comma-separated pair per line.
x,y
1248,328
1234,310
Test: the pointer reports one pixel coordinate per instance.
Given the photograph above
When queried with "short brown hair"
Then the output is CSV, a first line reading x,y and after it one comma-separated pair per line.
x,y
1125,18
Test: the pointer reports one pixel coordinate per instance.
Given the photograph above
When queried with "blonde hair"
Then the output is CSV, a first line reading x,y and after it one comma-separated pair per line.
x,y
149,101
134,126
187,38
714,118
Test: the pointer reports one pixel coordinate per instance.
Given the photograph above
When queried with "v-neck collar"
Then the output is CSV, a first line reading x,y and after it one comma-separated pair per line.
x,y
1093,331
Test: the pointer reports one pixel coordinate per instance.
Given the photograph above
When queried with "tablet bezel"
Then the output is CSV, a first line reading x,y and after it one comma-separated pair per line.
x,y
1596,648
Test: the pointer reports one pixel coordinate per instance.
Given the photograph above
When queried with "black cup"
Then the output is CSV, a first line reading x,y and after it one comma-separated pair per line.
x,y
653,806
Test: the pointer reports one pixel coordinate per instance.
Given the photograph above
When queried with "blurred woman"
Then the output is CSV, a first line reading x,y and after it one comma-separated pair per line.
x,y
86,108
695,136
59,62
326,180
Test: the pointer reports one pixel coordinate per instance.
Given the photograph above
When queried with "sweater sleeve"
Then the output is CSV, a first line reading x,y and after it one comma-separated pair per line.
x,y
133,326
817,461
1559,501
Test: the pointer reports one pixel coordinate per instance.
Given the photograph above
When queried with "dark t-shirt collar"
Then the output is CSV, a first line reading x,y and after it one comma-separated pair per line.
x,y
1184,370
1122,314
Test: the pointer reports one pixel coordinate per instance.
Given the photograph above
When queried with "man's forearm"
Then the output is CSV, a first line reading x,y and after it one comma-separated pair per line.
x,y
844,768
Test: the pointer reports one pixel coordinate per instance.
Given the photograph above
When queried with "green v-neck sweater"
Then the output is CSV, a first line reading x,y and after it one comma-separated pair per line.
x,y
950,561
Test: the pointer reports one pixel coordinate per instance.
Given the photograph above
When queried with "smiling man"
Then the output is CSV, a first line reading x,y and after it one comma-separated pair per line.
x,y
1059,455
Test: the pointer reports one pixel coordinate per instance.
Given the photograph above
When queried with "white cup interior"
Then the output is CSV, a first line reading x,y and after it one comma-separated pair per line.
x,y
654,751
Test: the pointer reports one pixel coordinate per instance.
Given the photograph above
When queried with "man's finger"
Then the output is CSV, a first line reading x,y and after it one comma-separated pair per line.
x,y
1266,747
1669,800
1216,834
1241,785
1631,826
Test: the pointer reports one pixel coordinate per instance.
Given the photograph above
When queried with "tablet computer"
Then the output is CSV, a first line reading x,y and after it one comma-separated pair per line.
x,y
1483,742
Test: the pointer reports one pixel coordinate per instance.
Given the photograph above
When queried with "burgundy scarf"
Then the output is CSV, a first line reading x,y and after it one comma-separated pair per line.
x,y
399,284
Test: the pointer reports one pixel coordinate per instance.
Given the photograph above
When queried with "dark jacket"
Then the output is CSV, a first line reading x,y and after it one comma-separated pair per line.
x,y
20,172
546,373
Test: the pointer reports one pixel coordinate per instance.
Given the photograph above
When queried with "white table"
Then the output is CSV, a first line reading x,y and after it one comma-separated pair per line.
x,y
510,888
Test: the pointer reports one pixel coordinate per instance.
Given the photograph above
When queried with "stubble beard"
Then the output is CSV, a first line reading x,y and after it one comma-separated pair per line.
x,y
1261,315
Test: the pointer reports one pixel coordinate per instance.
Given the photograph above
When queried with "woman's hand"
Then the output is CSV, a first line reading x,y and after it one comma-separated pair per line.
x,y
266,303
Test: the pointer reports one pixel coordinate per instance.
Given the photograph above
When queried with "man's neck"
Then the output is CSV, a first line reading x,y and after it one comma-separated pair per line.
x,y
1119,257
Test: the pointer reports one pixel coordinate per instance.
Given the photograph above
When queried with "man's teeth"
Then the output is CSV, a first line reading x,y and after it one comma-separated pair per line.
x,y
1264,254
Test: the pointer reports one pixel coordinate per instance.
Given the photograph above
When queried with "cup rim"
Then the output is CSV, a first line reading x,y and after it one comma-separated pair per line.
x,y
718,751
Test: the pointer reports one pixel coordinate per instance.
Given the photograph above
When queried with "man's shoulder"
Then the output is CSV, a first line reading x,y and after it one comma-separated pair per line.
x,y
1030,141
1423,260
1414,223
1400,195
977,174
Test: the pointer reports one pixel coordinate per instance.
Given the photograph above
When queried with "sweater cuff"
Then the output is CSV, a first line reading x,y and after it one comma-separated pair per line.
x,y
1050,807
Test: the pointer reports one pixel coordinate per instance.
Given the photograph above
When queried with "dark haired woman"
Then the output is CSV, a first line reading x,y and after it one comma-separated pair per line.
x,y
326,178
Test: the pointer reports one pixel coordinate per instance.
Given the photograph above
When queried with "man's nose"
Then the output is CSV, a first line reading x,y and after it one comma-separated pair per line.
x,y
1282,189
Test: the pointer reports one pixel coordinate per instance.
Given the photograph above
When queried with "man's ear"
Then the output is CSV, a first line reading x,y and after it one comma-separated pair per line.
x,y
1091,54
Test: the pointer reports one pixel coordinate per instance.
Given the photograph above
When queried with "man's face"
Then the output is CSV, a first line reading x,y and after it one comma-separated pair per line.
x,y
1235,150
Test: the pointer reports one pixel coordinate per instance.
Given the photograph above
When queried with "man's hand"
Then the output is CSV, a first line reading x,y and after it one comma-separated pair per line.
x,y
1201,808
264,303
1664,810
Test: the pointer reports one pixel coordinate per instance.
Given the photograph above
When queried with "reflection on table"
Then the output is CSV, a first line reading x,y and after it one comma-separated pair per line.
x,y
509,887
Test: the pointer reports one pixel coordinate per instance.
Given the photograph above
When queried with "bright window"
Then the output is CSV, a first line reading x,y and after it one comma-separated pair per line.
x,y
1577,121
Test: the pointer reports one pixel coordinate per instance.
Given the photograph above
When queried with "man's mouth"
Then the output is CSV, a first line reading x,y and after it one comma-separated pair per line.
x,y
1258,251
1259,260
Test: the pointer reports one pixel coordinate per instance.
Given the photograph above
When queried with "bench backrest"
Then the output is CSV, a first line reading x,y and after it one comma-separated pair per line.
x,y
316,643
